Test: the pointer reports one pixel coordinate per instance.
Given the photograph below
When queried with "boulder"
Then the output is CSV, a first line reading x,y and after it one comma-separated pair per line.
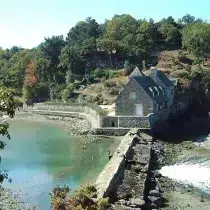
x,y
155,193
156,200
136,202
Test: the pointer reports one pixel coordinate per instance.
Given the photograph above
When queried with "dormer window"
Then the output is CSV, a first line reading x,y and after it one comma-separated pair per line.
x,y
157,90
132,95
162,90
151,90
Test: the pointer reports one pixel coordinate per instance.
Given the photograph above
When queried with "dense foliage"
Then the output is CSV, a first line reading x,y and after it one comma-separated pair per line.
x,y
49,70
82,198
7,106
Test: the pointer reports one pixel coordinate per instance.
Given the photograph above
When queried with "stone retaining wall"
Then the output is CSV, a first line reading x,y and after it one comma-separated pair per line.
x,y
110,131
110,175
125,122
64,110
134,147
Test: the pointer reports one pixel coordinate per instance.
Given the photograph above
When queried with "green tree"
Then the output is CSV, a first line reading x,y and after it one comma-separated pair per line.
x,y
7,106
169,31
189,19
119,36
196,39
51,50
71,59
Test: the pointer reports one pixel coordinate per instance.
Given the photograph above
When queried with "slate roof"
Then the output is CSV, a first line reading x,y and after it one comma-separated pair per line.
x,y
136,73
146,82
159,74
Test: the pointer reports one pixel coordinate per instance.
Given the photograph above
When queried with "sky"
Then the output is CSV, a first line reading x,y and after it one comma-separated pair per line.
x,y
25,23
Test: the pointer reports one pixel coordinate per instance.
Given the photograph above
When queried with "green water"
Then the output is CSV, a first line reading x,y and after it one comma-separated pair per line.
x,y
40,157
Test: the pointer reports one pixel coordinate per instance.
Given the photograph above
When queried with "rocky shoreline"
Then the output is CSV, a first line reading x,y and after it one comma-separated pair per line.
x,y
74,125
174,195
11,201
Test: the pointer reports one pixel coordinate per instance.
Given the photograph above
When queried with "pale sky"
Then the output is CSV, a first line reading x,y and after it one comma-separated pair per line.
x,y
25,23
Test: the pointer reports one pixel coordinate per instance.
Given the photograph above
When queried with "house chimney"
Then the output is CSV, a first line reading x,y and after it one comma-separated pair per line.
x,y
152,69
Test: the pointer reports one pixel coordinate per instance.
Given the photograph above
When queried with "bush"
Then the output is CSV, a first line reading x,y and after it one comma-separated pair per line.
x,y
103,204
197,61
28,92
110,83
113,74
114,91
100,73
67,91
42,90
18,101
181,74
80,200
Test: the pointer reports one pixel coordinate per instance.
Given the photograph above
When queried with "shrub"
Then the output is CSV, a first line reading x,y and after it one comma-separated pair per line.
x,y
197,61
113,74
181,74
18,101
80,200
67,91
100,73
28,92
42,90
110,83
114,91
103,204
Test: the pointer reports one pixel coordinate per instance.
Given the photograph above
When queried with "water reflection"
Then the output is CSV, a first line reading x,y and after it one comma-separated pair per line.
x,y
40,157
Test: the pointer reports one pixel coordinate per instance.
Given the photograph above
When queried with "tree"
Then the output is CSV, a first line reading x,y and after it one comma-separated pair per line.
x,y
51,50
196,39
71,59
7,106
169,31
30,81
145,38
119,36
189,19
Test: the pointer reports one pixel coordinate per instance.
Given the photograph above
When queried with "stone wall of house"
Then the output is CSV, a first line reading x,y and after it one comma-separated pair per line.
x,y
124,106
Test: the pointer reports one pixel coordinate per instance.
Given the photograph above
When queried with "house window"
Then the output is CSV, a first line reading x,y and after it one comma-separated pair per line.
x,y
157,90
133,95
151,90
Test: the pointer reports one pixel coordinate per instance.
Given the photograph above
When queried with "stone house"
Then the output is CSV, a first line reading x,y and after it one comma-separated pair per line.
x,y
163,81
144,95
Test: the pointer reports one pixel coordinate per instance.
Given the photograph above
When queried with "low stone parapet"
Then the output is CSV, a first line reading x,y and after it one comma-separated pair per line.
x,y
112,172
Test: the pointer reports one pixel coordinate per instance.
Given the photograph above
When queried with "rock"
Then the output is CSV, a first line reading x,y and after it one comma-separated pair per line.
x,y
155,193
122,202
157,174
136,202
156,200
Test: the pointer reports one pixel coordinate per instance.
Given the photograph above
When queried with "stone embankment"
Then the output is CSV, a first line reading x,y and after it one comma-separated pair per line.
x,y
129,179
65,110
74,125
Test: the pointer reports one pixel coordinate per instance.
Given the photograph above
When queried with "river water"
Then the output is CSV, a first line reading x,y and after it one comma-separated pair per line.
x,y
193,171
40,157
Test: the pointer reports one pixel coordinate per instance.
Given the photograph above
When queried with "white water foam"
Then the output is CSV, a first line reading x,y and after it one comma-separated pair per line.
x,y
195,174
